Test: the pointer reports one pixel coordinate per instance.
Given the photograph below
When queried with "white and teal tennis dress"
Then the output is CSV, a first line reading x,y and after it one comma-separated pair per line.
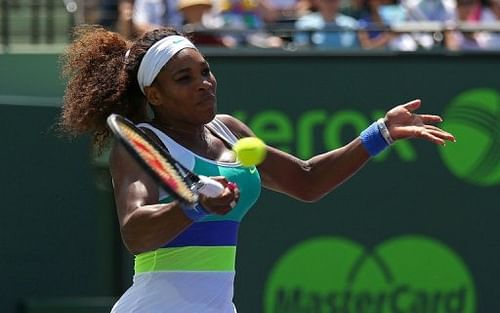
x,y
194,273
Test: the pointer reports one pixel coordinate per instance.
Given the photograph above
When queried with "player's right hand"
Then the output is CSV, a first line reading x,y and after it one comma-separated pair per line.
x,y
223,203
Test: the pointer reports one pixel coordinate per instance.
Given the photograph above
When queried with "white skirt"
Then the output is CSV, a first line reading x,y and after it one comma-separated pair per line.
x,y
178,292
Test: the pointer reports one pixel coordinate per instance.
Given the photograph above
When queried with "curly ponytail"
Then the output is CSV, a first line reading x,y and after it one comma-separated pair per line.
x,y
102,80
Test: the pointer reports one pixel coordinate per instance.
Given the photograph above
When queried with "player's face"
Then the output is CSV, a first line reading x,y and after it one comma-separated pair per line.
x,y
186,88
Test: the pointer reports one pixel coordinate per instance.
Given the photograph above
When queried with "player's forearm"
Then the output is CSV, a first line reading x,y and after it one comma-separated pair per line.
x,y
329,170
310,180
152,226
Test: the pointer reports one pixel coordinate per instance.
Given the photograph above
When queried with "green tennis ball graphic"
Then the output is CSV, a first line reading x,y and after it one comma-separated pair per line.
x,y
410,274
474,118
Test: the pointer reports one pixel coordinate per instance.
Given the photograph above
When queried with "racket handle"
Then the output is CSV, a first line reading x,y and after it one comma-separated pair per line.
x,y
209,187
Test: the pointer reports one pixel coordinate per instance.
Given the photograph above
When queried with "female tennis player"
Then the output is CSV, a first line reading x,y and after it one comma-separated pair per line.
x,y
184,255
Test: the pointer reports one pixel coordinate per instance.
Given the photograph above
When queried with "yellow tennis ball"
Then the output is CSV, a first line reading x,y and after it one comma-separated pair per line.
x,y
250,151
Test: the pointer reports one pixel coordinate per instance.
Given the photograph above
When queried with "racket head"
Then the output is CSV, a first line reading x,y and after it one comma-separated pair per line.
x,y
152,158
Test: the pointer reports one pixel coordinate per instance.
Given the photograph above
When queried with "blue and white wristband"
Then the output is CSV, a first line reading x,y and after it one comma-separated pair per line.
x,y
376,137
195,212
384,131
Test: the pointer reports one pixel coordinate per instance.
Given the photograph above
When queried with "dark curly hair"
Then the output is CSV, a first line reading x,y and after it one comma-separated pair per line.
x,y
101,80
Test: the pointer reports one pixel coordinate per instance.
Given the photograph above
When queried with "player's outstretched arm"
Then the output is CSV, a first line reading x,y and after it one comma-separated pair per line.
x,y
309,180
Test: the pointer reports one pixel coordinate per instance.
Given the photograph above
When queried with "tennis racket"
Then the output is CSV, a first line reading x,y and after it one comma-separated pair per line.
x,y
177,180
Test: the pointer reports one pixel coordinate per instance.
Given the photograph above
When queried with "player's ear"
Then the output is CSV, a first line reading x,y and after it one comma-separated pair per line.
x,y
153,95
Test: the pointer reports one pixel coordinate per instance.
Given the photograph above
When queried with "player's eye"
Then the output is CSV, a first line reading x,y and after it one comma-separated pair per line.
x,y
183,79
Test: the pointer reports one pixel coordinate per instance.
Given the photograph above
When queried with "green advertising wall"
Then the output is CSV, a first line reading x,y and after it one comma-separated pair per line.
x,y
414,231
56,227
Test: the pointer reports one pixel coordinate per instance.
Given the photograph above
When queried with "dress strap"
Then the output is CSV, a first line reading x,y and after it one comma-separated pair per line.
x,y
218,127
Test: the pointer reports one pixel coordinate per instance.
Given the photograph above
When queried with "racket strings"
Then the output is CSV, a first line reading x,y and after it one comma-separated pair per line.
x,y
157,162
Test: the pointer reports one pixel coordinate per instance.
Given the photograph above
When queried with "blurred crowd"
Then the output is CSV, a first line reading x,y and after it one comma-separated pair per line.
x,y
403,25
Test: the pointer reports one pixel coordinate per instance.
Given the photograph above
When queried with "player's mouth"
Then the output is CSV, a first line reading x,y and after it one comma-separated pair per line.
x,y
208,98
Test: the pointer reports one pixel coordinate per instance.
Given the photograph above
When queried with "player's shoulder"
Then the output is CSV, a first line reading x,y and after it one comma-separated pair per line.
x,y
236,126
227,119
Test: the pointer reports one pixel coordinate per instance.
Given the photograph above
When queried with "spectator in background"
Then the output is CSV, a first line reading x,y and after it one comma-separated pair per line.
x,y
280,16
375,21
493,39
327,28
470,11
283,11
199,21
244,16
124,24
116,15
193,11
495,9
375,34
240,14
108,12
429,11
151,14
91,11
352,8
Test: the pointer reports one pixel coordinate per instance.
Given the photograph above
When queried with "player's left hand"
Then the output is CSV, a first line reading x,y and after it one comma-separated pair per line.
x,y
403,123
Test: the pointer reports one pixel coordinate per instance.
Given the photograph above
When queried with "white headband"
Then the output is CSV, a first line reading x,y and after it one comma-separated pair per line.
x,y
157,56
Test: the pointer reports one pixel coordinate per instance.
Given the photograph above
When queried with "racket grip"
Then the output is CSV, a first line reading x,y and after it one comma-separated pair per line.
x,y
209,187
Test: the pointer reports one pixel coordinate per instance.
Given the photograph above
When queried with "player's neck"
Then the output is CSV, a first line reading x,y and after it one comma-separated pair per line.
x,y
183,132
